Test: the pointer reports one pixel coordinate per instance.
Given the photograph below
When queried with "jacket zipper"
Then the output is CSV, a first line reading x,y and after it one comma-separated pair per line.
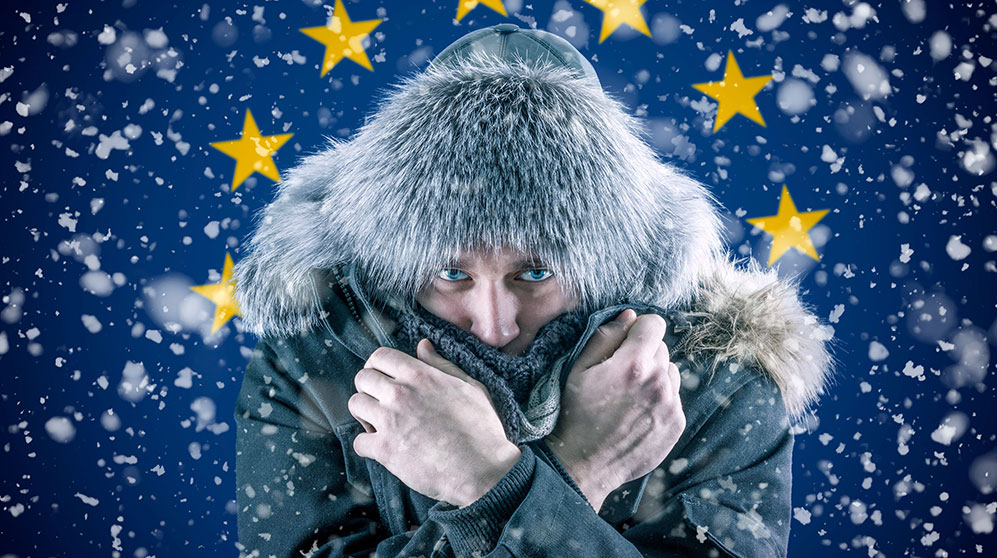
x,y
342,282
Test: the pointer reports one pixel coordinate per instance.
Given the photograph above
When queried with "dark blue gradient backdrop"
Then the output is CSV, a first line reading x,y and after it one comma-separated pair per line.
x,y
116,400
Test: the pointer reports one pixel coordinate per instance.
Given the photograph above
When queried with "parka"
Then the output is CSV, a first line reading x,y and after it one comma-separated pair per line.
x,y
393,204
302,489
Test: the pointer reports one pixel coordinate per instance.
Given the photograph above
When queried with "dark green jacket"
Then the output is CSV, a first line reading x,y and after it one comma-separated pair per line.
x,y
303,491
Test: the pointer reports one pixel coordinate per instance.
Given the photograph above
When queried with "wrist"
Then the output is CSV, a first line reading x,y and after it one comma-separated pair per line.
x,y
592,485
595,492
505,459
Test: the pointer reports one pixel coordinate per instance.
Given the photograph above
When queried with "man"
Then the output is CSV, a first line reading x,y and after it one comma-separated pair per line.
x,y
598,379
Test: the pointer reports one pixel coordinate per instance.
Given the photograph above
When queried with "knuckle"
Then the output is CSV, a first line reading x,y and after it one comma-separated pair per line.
x,y
394,394
655,319
679,419
638,367
602,332
351,404
661,388
360,376
676,410
655,397
647,338
416,374
365,445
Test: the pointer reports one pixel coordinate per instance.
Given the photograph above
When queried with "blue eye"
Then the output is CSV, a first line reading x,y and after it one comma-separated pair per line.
x,y
452,274
536,275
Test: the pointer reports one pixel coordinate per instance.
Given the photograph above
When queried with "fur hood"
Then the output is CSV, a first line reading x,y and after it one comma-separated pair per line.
x,y
493,152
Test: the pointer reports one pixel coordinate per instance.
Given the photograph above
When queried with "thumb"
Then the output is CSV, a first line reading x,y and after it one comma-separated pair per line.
x,y
427,353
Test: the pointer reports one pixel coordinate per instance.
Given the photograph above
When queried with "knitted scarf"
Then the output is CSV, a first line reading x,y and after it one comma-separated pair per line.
x,y
525,390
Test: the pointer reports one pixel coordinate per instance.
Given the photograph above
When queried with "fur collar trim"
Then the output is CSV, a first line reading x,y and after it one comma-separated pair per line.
x,y
751,317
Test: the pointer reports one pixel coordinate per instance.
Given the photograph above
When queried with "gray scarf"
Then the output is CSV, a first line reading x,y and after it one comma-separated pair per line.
x,y
524,389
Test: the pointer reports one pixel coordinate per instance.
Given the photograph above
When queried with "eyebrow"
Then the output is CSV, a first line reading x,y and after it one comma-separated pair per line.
x,y
524,263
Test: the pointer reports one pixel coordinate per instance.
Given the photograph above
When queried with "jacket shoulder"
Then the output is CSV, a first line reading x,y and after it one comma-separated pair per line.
x,y
727,391
728,478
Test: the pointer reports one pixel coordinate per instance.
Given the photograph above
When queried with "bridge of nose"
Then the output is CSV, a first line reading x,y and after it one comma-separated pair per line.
x,y
493,314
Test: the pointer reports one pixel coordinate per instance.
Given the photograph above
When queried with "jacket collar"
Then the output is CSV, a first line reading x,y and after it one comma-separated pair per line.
x,y
338,319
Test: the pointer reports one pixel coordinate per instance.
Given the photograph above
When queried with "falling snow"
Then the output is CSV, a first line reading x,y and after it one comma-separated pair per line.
x,y
118,396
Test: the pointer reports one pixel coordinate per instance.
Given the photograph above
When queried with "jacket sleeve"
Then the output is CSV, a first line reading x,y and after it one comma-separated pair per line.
x,y
294,496
725,487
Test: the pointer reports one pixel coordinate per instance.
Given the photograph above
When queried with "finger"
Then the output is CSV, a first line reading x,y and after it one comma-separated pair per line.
x,y
661,359
367,445
673,371
392,363
643,338
427,354
365,408
661,354
367,427
605,340
375,383
664,350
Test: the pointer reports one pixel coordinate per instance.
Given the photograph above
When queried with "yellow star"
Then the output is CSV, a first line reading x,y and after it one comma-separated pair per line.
x,y
252,152
222,294
617,12
789,229
735,93
342,38
464,6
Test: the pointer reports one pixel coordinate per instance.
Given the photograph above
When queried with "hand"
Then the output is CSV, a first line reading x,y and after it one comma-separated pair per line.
x,y
620,410
430,424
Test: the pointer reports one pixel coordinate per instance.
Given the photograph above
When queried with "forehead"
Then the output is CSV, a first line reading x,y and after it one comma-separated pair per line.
x,y
500,258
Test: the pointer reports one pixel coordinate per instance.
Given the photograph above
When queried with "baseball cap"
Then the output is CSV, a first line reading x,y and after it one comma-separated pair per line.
x,y
508,41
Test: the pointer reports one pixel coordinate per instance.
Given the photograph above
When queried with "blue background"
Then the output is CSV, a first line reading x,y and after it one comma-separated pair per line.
x,y
100,246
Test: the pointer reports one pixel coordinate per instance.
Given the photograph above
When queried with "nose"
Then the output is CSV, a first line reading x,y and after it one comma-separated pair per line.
x,y
493,310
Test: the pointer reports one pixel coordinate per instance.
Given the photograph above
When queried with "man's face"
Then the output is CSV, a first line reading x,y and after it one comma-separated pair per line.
x,y
502,300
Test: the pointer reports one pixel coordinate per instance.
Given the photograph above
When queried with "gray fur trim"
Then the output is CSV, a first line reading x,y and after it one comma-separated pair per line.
x,y
751,317
448,161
